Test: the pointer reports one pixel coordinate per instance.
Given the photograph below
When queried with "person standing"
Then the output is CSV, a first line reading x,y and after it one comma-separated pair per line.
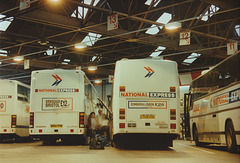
x,y
99,119
92,125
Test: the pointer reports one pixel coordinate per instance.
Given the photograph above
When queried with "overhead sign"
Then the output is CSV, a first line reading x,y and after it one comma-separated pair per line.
x,y
112,22
232,48
110,78
24,4
184,38
26,64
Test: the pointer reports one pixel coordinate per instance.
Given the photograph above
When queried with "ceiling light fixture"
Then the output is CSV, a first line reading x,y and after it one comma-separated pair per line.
x,y
92,68
173,25
80,45
98,81
43,42
18,58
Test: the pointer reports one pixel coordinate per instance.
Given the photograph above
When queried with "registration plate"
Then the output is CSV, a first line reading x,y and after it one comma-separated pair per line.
x,y
56,126
147,116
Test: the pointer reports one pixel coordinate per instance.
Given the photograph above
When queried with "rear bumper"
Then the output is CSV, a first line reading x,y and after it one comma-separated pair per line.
x,y
144,139
57,136
7,136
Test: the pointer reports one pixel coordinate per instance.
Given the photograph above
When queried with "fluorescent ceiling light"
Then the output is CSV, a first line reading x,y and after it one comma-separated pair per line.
x,y
173,25
65,63
0,63
5,23
98,81
92,68
80,45
18,58
191,58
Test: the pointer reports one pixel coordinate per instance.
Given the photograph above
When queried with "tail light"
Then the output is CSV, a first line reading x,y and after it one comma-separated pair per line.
x,y
173,126
81,119
172,114
121,125
121,113
14,121
31,125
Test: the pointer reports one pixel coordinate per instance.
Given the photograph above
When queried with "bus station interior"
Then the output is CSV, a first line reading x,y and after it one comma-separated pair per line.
x,y
77,34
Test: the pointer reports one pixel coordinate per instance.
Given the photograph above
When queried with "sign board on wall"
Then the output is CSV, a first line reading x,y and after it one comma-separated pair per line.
x,y
112,22
24,4
184,38
232,48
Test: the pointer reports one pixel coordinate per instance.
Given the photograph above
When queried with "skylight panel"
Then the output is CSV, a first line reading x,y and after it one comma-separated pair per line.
x,y
3,53
5,23
237,28
212,9
164,18
66,60
158,51
191,58
148,2
93,58
50,51
82,11
152,30
91,38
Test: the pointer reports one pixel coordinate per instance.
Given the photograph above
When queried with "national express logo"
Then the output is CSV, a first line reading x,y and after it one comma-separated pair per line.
x,y
150,72
58,80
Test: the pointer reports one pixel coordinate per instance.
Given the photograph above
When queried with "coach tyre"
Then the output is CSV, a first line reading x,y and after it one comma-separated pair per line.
x,y
195,136
230,137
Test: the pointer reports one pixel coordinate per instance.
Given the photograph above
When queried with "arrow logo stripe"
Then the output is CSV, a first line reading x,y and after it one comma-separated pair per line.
x,y
58,80
150,72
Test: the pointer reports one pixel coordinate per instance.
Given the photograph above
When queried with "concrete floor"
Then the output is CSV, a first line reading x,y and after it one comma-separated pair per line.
x,y
181,152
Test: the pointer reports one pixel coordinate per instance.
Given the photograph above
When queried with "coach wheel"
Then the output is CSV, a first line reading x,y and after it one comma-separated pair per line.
x,y
195,136
230,137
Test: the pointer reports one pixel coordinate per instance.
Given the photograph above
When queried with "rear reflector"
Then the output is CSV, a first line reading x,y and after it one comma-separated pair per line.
x,y
40,130
121,125
81,119
172,89
36,90
14,121
31,125
173,126
121,113
122,89
172,114
71,130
